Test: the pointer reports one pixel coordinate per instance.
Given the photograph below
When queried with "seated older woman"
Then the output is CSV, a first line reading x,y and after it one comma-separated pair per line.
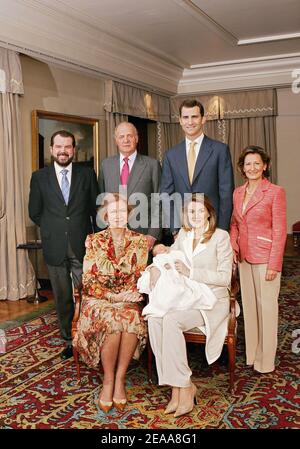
x,y
110,326
209,257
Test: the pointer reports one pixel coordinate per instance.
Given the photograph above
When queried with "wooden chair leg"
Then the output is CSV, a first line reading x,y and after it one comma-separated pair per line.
x,y
150,360
232,355
75,355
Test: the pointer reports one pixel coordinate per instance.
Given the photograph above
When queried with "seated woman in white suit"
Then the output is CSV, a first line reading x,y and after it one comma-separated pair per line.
x,y
209,255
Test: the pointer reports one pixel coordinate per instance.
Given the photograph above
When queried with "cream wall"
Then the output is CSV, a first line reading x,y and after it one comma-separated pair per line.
x,y
50,88
288,147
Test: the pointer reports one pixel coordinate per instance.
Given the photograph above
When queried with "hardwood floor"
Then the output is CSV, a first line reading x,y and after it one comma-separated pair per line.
x,y
9,310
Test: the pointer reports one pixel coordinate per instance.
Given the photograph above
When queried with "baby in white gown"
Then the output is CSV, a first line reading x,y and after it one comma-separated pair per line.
x,y
172,290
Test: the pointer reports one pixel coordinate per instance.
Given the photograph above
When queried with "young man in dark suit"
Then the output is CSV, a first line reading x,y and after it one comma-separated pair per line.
x,y
199,164
62,202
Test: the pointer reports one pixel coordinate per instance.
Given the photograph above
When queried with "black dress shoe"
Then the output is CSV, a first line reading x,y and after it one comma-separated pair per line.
x,y
67,353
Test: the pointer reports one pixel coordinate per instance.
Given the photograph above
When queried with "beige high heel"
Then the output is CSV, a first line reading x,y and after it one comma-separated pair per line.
x,y
187,408
171,407
173,403
104,405
120,404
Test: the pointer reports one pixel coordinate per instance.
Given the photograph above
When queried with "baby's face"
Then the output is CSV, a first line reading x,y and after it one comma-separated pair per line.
x,y
159,249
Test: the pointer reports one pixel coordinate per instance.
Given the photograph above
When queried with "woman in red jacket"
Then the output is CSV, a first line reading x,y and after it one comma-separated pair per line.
x,y
258,234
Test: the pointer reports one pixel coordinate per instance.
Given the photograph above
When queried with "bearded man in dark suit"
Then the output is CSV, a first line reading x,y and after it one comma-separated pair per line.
x,y
62,202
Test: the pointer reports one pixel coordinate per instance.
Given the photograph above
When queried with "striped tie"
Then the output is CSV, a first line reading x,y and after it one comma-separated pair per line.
x,y
65,185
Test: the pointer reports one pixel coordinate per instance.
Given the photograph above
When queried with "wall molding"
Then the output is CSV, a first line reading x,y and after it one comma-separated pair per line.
x,y
273,38
34,28
242,74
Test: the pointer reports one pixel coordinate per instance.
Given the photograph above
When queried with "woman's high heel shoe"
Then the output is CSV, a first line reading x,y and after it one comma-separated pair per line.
x,y
104,405
187,408
171,407
120,404
173,403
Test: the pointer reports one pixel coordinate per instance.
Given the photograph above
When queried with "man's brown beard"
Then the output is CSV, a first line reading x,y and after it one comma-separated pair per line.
x,y
64,164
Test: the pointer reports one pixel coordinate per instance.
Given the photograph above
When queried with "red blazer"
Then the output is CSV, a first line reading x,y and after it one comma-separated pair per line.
x,y
259,235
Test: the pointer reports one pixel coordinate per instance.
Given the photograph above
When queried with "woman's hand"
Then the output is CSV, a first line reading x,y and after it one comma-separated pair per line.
x,y
154,275
182,268
270,275
160,249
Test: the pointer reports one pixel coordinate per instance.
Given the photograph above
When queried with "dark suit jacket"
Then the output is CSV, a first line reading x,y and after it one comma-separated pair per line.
x,y
58,222
213,176
144,178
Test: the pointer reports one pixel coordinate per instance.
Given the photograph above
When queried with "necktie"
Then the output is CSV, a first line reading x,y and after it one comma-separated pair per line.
x,y
124,172
65,185
191,161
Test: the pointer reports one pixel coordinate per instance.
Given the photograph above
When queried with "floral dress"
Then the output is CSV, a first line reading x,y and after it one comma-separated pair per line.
x,y
104,272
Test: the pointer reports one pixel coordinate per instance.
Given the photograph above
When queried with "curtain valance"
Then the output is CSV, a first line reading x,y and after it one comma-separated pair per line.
x,y
254,103
129,100
10,72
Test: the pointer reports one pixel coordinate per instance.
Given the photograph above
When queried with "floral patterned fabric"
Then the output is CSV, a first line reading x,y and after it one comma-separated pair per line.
x,y
104,272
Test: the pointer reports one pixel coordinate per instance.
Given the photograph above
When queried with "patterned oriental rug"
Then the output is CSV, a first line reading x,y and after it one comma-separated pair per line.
x,y
40,391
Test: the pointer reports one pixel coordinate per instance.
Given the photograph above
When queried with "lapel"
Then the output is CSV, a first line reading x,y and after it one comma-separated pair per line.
x,y
240,194
258,195
135,174
199,248
182,167
53,182
204,153
114,173
188,246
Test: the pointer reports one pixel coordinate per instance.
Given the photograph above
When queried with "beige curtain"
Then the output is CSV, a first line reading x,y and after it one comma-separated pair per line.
x,y
242,132
16,273
249,118
167,135
112,120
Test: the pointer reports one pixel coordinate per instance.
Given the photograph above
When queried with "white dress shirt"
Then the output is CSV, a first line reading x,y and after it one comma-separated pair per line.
x,y
58,170
197,146
131,160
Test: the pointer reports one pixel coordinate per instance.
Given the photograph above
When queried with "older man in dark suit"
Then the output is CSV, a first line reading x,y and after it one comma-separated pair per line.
x,y
199,165
62,202
134,174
